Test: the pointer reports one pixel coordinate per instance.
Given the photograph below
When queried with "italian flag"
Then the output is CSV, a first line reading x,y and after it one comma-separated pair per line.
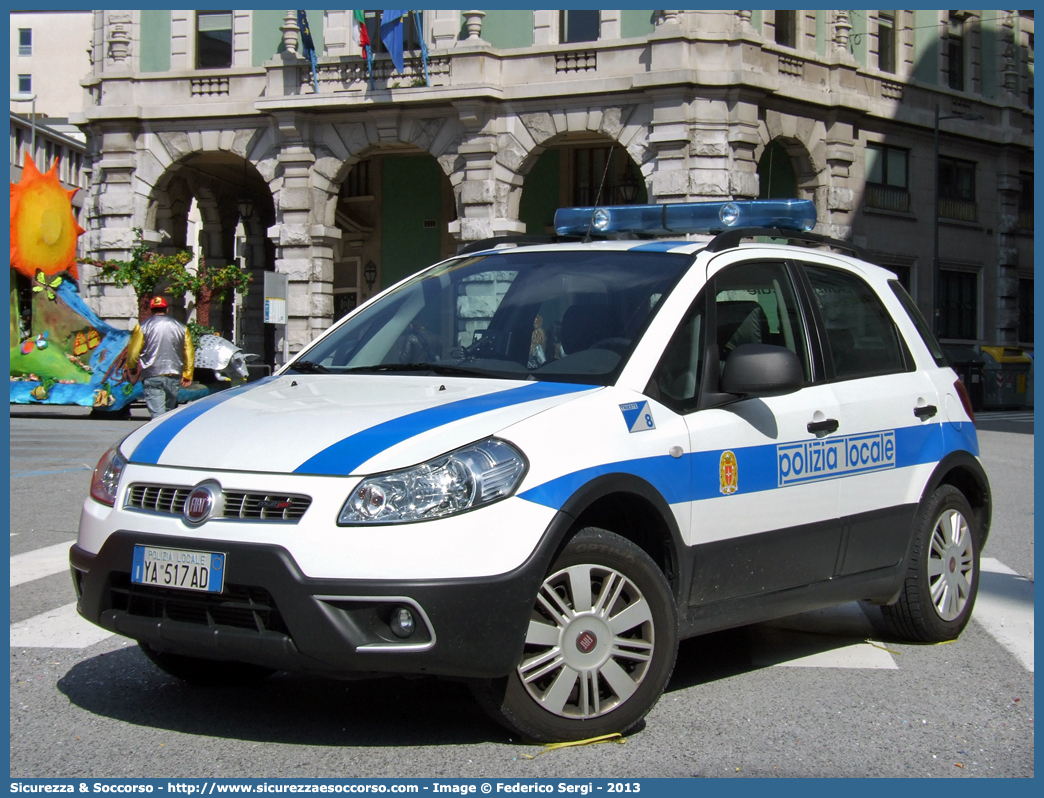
x,y
359,33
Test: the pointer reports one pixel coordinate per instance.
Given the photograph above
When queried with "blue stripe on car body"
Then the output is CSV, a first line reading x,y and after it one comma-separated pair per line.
x,y
151,447
343,457
697,476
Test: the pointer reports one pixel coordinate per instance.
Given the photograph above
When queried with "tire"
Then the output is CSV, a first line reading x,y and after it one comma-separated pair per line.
x,y
573,683
942,577
205,672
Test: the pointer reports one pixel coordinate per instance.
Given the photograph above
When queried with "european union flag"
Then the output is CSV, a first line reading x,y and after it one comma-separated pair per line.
x,y
391,35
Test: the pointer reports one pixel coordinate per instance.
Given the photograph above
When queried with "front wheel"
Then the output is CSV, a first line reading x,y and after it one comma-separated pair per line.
x,y
942,577
600,647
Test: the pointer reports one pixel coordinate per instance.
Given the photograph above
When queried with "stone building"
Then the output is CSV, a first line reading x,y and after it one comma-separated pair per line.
x,y
347,182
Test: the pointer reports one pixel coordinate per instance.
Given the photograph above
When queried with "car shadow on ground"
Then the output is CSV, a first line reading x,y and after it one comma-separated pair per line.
x,y
848,636
286,708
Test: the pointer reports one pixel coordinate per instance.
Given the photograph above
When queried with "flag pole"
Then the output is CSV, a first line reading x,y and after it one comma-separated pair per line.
x,y
419,27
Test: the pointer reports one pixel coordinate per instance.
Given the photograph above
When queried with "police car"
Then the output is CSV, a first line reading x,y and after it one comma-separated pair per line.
x,y
539,466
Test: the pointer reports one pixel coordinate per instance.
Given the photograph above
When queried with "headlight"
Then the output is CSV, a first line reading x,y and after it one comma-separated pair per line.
x,y
462,480
106,478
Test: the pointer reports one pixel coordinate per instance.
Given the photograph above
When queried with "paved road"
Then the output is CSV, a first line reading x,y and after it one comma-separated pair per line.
x,y
825,694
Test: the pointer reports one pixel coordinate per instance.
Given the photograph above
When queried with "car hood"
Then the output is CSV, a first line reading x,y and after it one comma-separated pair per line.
x,y
339,425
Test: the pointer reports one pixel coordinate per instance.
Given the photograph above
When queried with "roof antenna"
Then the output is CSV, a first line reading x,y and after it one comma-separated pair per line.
x,y
598,196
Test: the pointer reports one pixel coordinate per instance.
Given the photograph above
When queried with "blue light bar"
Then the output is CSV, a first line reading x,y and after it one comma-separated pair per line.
x,y
687,217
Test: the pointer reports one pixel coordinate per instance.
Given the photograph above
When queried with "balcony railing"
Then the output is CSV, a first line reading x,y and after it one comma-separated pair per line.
x,y
958,210
888,198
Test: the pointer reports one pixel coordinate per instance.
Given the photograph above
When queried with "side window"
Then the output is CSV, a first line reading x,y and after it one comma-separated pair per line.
x,y
676,381
754,303
862,337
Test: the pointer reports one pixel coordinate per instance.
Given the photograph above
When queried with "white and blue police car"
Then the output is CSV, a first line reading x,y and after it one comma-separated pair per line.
x,y
538,466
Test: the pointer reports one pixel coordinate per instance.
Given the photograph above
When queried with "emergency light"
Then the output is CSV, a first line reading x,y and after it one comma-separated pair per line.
x,y
687,217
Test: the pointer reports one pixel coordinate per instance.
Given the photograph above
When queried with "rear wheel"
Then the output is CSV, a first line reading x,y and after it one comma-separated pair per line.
x,y
205,672
942,576
600,647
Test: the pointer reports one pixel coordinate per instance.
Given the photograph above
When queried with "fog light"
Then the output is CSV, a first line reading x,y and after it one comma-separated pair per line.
x,y
402,624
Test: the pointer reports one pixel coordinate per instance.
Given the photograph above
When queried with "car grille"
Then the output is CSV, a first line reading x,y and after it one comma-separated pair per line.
x,y
239,505
239,606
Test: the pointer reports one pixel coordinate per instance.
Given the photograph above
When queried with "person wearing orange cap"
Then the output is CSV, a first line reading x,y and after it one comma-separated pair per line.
x,y
163,348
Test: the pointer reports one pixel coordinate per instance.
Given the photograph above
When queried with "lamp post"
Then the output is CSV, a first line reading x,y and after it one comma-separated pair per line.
x,y
936,309
27,98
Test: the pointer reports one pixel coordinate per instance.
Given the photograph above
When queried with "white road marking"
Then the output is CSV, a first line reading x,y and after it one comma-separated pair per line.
x,y
39,563
1004,608
822,639
60,628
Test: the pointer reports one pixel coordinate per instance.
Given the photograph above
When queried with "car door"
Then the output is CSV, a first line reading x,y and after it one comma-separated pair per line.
x,y
760,521
888,413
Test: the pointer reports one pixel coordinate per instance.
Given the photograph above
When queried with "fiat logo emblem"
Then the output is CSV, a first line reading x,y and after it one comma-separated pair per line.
x,y
586,641
199,504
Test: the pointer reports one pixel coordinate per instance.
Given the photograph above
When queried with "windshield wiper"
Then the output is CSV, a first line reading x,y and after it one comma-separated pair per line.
x,y
309,367
433,368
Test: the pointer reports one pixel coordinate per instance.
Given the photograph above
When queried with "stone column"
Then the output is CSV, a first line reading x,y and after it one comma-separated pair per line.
x,y
113,237
743,141
292,230
838,199
671,136
482,197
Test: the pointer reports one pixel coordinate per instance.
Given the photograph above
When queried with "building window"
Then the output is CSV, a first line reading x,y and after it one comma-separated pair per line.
x,y
958,305
955,53
886,41
786,28
887,177
25,84
409,32
957,190
623,183
1026,311
1026,202
25,41
578,26
213,39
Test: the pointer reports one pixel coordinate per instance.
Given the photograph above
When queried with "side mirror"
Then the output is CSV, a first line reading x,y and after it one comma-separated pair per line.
x,y
761,370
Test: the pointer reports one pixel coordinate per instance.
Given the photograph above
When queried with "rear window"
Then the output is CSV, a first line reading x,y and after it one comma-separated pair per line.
x,y
861,336
919,322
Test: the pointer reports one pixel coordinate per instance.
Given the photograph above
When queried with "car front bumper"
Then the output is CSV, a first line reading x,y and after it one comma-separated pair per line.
x,y
271,614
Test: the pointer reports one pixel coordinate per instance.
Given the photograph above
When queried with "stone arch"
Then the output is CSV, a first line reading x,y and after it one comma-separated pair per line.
x,y
215,180
803,140
380,140
528,135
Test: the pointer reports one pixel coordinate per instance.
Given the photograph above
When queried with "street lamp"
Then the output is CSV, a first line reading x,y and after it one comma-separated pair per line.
x,y
936,309
27,98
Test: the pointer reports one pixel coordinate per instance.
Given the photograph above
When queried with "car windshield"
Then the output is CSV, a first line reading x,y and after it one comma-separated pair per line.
x,y
568,315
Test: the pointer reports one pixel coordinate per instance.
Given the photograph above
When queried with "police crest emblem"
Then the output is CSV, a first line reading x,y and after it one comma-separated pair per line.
x,y
728,472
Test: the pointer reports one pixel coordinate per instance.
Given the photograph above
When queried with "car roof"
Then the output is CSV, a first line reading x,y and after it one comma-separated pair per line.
x,y
691,247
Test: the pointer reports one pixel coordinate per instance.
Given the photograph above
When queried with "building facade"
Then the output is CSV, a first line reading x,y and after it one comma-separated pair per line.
x,y
347,180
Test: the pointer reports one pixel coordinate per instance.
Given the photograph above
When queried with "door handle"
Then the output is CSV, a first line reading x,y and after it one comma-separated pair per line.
x,y
925,412
827,425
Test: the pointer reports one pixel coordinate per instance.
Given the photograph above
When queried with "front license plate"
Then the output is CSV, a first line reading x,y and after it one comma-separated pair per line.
x,y
179,568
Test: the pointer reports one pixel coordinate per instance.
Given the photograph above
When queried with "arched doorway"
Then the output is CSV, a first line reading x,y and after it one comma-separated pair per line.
x,y
393,211
217,205
776,175
578,174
